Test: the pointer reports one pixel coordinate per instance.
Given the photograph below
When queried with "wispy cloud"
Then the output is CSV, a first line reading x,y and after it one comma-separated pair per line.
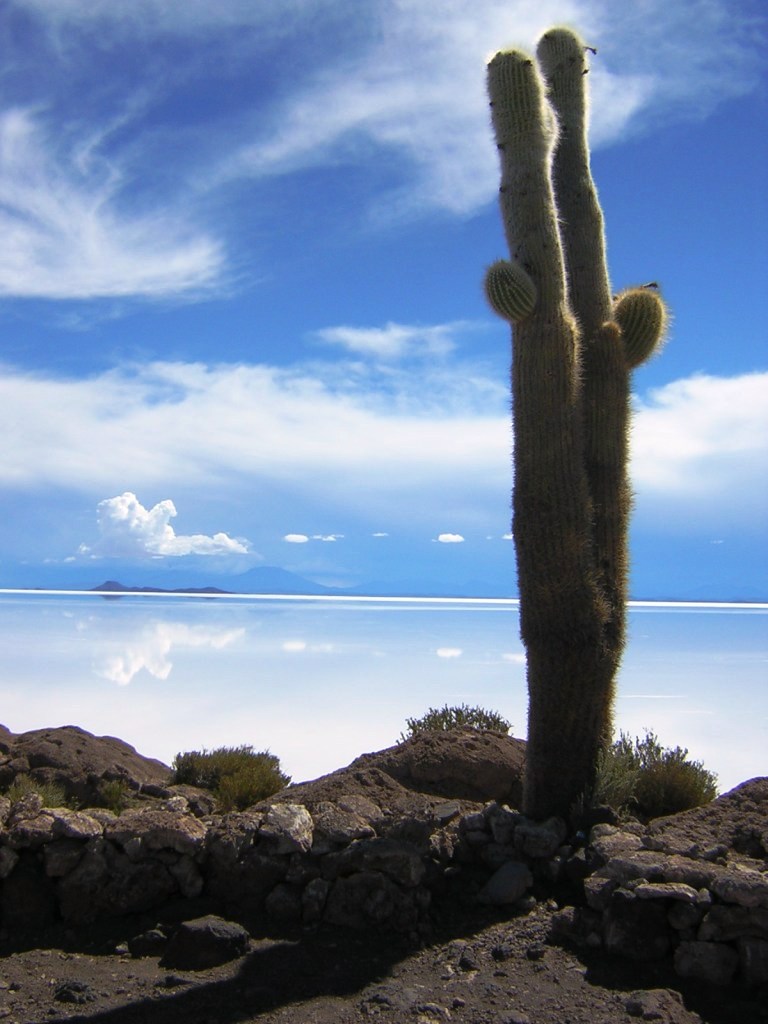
x,y
393,341
127,529
66,237
379,85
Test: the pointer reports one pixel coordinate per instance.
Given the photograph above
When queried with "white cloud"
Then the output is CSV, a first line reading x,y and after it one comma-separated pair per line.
x,y
449,652
64,236
328,538
294,646
296,538
699,445
128,529
450,538
515,657
704,440
393,341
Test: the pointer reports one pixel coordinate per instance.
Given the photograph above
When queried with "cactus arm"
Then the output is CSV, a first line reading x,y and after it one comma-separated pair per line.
x,y
642,315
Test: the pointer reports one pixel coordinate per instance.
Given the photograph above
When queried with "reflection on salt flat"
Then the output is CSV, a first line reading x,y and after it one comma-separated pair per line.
x,y
152,647
319,683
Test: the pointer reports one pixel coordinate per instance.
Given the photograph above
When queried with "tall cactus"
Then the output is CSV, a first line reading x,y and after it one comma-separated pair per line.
x,y
572,353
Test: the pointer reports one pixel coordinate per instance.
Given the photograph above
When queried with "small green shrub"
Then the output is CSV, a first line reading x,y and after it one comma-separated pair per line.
x,y
650,780
237,776
445,718
115,795
51,794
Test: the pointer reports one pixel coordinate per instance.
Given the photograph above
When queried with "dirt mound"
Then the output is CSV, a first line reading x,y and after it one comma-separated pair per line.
x,y
736,822
77,761
413,777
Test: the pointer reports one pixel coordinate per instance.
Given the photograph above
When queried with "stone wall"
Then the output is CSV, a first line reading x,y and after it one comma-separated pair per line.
x,y
705,908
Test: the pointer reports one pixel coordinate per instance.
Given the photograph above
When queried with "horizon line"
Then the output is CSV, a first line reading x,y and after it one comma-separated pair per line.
x,y
358,598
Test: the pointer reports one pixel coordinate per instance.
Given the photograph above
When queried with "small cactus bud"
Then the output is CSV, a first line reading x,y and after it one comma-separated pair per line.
x,y
642,315
509,290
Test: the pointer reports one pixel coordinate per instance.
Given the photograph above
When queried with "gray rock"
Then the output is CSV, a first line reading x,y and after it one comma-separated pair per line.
x,y
637,929
725,923
289,827
313,900
152,942
284,903
502,822
335,826
507,885
607,842
543,839
144,830
398,861
205,942
61,856
370,898
598,891
187,875
8,861
706,961
666,891
747,888
576,926
654,1004
683,916
753,958
27,897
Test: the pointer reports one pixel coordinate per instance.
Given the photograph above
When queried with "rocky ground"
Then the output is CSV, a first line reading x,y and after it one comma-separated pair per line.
x,y
482,971
479,966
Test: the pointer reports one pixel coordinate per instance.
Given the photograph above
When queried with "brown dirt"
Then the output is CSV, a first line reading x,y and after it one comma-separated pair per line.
x,y
480,970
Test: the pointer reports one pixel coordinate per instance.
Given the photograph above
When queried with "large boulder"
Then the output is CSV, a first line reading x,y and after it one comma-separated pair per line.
x,y
77,761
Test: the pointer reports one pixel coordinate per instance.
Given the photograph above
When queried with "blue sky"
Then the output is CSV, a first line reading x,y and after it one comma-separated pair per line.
x,y
241,287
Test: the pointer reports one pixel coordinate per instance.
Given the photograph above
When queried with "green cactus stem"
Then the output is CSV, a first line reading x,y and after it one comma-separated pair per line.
x,y
509,290
641,313
570,402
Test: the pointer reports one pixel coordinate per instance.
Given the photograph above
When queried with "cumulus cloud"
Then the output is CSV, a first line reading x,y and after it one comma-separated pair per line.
x,y
450,538
128,529
296,538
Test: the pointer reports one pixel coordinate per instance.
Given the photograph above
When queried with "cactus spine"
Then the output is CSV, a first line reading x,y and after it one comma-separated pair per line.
x,y
571,359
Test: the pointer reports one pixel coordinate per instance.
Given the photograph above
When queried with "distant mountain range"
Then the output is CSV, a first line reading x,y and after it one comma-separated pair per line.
x,y
274,580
